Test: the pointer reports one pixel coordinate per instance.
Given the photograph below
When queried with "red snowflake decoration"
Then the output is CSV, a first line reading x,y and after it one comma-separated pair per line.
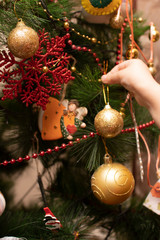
x,y
36,79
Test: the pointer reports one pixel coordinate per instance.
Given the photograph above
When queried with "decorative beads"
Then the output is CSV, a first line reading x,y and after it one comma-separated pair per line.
x,y
56,149
5,163
84,137
92,134
20,159
63,146
27,158
34,155
118,58
41,153
12,161
70,144
67,27
128,130
84,49
49,151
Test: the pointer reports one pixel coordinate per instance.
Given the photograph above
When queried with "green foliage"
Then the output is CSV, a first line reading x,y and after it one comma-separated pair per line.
x,y
69,194
18,126
74,217
24,223
137,222
32,14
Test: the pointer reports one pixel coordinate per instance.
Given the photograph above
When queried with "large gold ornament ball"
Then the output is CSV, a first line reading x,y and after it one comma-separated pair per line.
x,y
108,122
23,41
116,22
112,183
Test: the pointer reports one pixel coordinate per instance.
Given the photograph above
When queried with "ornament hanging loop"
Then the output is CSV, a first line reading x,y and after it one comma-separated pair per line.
x,y
106,98
15,10
19,19
107,158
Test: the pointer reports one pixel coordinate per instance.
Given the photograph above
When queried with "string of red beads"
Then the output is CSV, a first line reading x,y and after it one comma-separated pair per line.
x,y
118,58
69,144
85,49
140,127
49,151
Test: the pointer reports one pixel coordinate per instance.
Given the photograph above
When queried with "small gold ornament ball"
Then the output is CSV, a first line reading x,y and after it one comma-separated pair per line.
x,y
23,41
66,25
140,19
152,69
108,122
116,22
112,183
73,69
134,51
45,69
155,35
122,112
94,40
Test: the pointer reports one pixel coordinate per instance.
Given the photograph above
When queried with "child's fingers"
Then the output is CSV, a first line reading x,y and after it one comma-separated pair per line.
x,y
111,78
114,76
121,66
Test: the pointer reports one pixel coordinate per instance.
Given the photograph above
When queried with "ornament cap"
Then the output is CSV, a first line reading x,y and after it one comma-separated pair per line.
x,y
20,23
107,106
150,64
107,158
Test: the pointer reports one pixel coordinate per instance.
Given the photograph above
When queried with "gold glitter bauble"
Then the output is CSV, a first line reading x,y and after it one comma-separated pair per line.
x,y
116,22
112,183
152,69
108,122
23,41
134,51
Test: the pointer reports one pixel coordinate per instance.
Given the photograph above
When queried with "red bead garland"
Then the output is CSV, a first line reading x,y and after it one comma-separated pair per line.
x,y
70,144
85,49
140,127
49,151
20,159
13,161
119,43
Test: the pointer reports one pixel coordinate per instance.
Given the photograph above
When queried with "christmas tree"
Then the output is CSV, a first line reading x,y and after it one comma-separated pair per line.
x,y
58,117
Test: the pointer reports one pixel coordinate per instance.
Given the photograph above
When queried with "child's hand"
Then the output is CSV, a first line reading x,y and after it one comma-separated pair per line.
x,y
136,78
